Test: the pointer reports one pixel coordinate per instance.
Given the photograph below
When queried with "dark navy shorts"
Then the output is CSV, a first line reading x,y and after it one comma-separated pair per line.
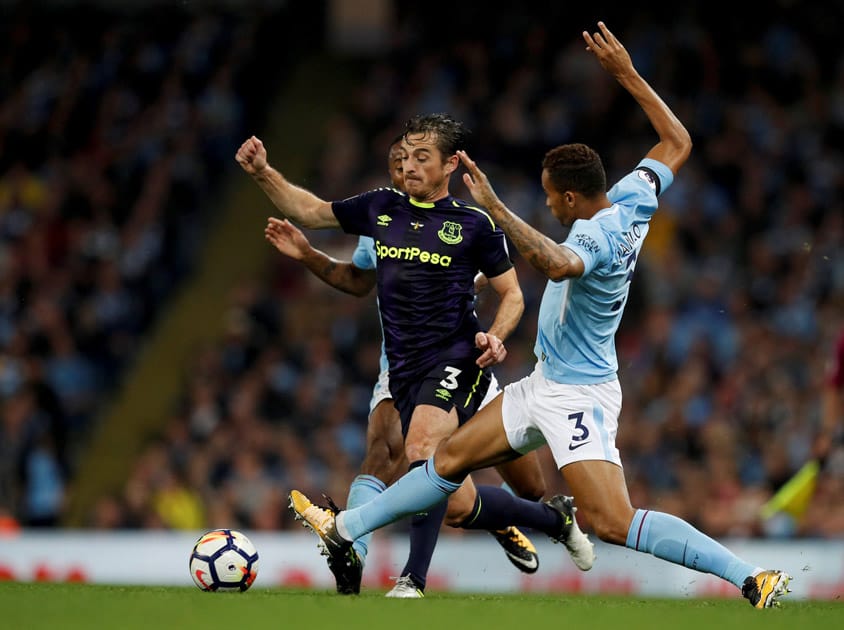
x,y
458,384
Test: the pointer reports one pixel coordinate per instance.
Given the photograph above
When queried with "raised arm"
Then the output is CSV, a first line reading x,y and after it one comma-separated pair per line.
x,y
342,275
298,204
674,144
555,261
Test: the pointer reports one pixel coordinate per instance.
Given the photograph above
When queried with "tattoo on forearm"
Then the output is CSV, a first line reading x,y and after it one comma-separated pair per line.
x,y
328,270
539,250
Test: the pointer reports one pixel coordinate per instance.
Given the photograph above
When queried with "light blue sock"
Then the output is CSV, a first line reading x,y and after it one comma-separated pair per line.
x,y
673,539
415,492
364,488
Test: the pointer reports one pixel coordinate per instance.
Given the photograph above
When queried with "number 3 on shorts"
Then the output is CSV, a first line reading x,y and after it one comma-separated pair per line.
x,y
450,381
578,439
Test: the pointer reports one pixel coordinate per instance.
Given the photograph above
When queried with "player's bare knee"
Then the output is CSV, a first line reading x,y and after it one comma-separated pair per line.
x,y
448,463
609,527
457,511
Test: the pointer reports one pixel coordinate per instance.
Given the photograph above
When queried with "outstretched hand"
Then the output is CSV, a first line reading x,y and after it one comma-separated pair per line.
x,y
287,238
610,53
493,349
252,156
478,183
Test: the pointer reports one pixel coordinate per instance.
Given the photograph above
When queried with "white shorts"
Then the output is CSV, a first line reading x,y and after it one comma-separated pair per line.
x,y
578,422
493,391
381,391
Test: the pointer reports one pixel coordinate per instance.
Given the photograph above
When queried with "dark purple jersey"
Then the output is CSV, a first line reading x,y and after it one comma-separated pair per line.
x,y
427,257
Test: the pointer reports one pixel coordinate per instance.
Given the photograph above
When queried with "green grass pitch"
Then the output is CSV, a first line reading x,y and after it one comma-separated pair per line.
x,y
66,606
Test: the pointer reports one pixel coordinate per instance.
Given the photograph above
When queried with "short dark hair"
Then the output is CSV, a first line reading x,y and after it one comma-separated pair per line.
x,y
576,167
451,134
396,139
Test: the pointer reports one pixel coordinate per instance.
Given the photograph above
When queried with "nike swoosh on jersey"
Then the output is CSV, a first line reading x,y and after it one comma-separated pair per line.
x,y
573,447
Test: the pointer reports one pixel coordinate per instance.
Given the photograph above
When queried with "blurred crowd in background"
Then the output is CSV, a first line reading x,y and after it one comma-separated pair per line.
x,y
115,139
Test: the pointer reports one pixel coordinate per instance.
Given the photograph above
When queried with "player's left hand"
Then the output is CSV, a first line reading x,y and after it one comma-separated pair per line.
x,y
478,183
493,348
287,238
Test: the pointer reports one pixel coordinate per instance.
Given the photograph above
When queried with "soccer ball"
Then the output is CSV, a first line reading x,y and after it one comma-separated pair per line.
x,y
223,560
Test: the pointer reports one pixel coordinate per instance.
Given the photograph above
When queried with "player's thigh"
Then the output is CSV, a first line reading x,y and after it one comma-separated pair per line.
x,y
429,426
578,422
479,443
524,476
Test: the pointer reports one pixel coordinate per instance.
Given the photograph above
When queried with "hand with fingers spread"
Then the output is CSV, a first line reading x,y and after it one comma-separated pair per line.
x,y
610,53
287,238
478,183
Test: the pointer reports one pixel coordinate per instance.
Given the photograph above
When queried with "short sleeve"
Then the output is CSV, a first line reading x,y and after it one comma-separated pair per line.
x,y
364,254
353,213
587,240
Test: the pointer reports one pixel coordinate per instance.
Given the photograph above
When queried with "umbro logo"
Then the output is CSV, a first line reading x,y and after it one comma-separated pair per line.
x,y
384,220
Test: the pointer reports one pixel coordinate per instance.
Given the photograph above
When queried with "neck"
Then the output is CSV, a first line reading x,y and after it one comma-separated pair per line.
x,y
433,196
601,202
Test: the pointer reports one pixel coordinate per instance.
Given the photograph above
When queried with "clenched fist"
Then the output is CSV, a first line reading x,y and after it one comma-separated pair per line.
x,y
252,156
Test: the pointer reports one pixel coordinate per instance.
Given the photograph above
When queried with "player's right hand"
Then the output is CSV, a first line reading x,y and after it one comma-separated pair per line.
x,y
252,156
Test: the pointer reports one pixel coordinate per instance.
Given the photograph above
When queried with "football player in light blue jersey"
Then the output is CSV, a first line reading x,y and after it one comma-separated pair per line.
x,y
572,399
385,458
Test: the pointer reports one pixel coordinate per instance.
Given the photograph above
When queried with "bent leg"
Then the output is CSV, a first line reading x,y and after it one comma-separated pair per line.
x,y
382,464
429,425
601,493
483,442
385,458
524,476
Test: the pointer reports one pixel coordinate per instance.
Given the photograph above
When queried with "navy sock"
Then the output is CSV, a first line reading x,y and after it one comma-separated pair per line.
x,y
495,509
424,531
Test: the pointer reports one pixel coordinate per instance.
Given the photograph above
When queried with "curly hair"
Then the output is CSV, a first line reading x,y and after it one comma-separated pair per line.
x,y
576,167
450,134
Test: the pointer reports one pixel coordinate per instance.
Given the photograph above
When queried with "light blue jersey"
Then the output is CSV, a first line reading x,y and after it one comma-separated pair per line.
x,y
364,258
578,317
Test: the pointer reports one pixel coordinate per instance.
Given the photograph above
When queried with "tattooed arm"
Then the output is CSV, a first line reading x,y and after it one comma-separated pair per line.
x,y
345,276
553,260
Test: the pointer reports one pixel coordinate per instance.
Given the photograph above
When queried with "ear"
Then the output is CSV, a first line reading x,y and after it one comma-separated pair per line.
x,y
570,198
451,164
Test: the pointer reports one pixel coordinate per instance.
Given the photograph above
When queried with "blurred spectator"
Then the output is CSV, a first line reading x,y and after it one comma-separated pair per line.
x,y
114,129
119,135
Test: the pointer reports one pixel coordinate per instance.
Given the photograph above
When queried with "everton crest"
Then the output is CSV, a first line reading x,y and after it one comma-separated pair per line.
x,y
450,233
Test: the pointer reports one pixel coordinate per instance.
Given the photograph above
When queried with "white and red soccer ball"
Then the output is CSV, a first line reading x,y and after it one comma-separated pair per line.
x,y
223,560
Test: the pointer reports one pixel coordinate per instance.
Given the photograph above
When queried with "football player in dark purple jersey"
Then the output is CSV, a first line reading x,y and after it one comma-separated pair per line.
x,y
429,247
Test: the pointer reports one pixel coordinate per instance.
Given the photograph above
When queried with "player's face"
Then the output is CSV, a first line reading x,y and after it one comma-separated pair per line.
x,y
426,170
557,201
394,166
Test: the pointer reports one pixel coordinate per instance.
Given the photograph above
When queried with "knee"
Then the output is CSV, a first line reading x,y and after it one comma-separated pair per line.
x,y
376,462
457,511
610,526
449,463
383,462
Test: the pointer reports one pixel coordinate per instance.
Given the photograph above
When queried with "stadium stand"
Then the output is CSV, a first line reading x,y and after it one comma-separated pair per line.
x,y
733,313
